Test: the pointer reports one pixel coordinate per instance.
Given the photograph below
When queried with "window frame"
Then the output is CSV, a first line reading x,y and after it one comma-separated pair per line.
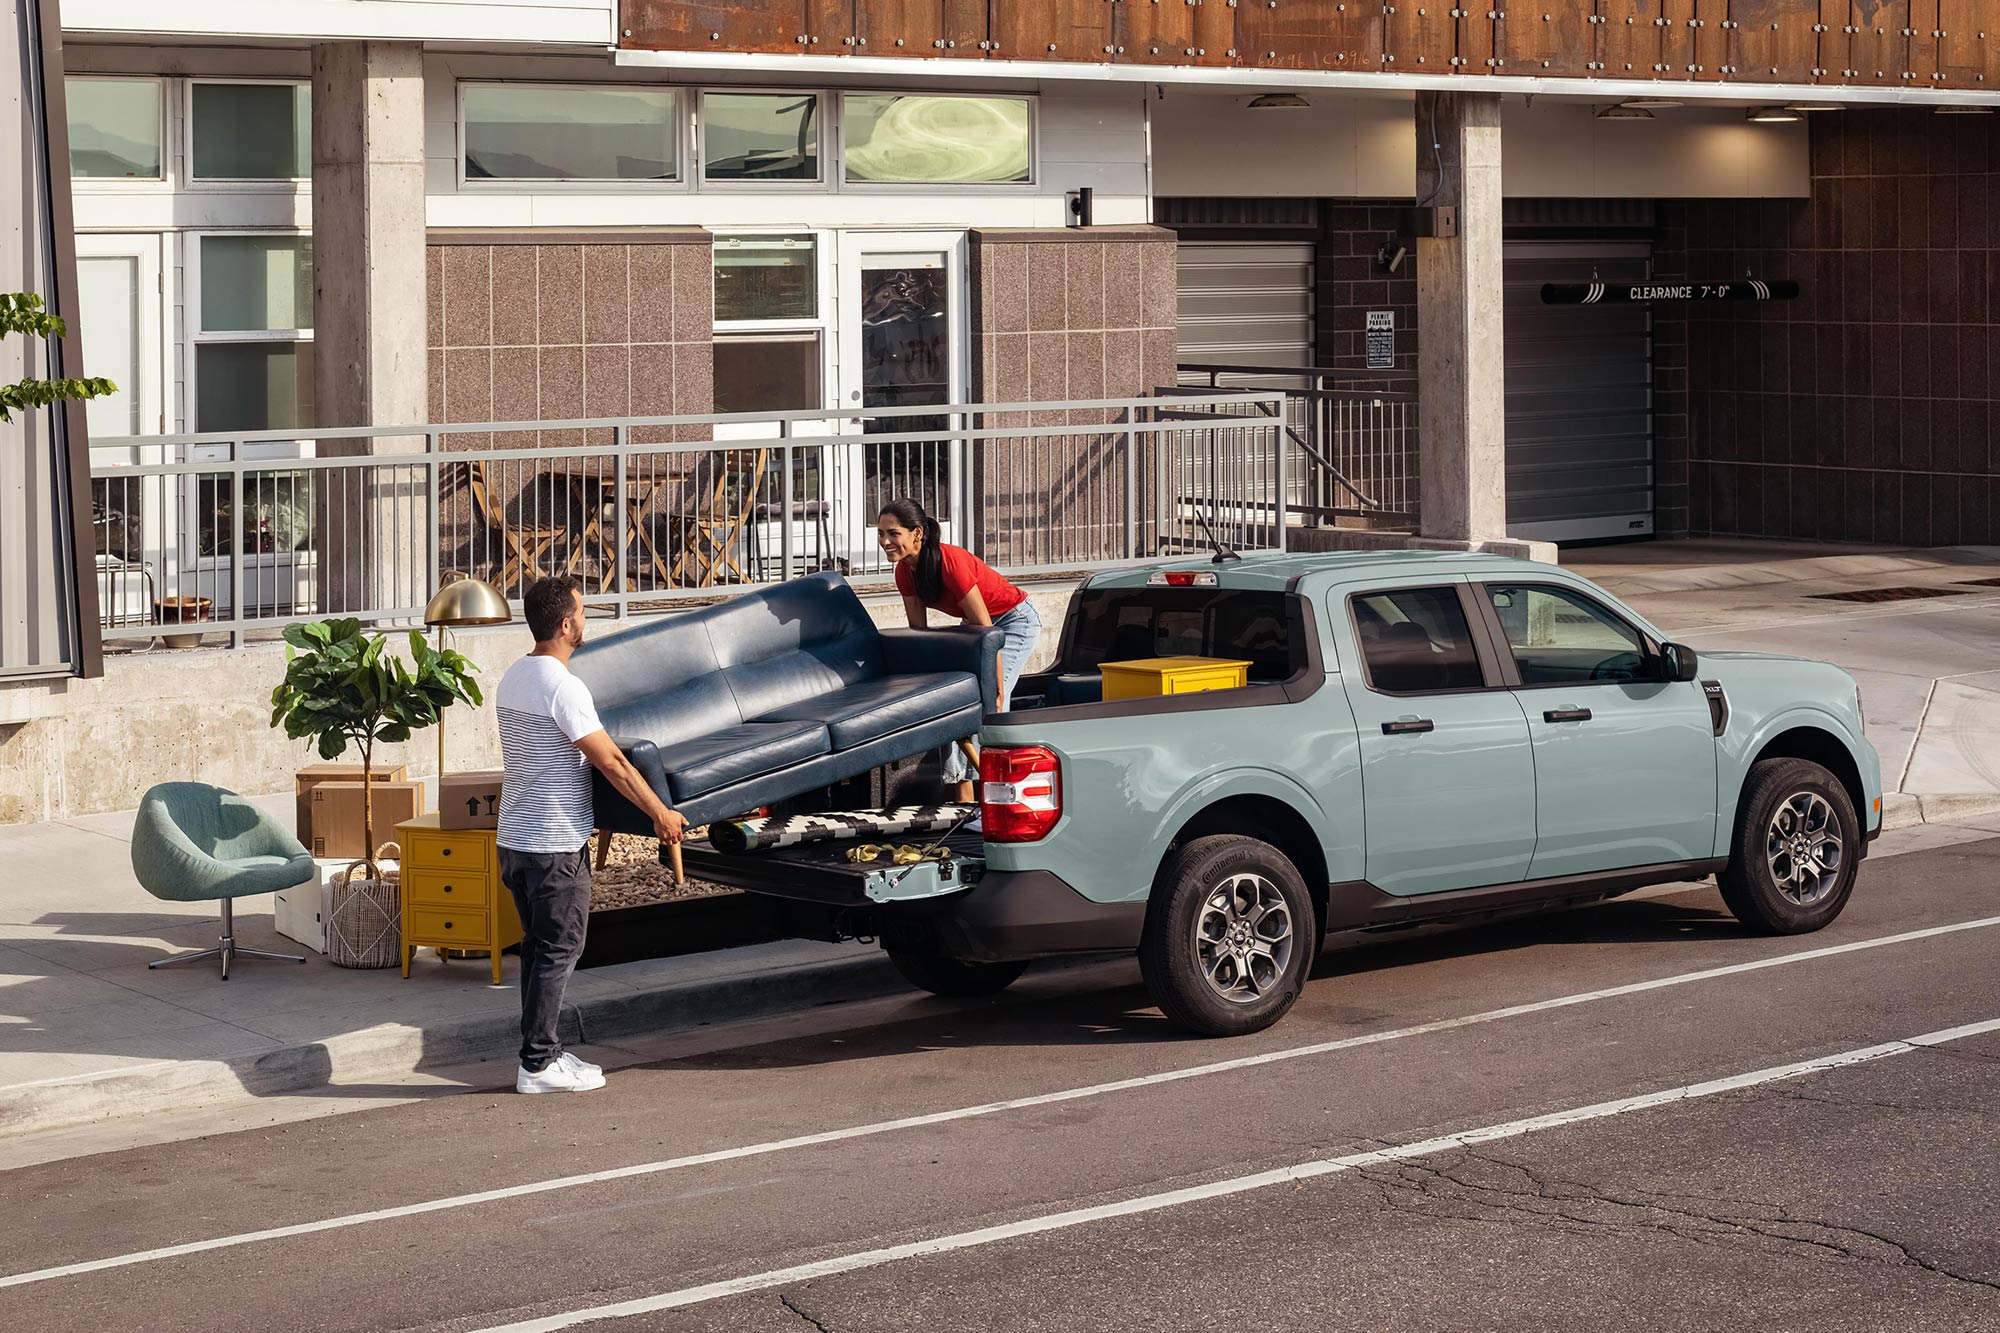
x,y
686,141
197,337
1478,634
294,185
820,325
165,181
1030,185
826,102
1649,645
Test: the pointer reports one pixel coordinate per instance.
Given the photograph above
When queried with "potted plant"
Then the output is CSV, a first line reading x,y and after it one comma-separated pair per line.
x,y
343,687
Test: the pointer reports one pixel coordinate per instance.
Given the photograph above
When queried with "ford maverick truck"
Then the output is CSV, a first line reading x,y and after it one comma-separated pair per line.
x,y
1422,737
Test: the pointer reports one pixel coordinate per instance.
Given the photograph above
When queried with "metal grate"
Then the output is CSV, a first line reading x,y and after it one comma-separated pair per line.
x,y
1891,594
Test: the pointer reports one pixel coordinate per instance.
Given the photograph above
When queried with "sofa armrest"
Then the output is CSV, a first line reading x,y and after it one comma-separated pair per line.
x,y
645,756
922,652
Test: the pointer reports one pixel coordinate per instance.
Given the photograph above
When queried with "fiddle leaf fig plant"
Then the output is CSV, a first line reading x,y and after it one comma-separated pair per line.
x,y
24,313
342,687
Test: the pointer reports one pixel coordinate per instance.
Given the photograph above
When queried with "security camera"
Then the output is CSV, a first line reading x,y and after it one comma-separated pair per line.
x,y
1391,257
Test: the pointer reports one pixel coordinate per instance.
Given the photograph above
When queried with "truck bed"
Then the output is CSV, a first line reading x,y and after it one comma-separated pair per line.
x,y
819,872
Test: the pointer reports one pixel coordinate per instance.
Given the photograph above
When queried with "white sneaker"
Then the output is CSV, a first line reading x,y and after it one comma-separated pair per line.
x,y
583,1067
557,1077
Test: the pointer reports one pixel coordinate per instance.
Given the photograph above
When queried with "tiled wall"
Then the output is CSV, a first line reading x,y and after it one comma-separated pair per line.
x,y
527,327
1065,314
1351,282
1864,410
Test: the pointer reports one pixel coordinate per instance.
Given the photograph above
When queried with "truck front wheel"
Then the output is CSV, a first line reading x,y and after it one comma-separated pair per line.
x,y
1796,848
1230,936
950,977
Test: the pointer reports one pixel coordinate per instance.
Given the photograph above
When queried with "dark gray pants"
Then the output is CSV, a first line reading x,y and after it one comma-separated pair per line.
x,y
552,892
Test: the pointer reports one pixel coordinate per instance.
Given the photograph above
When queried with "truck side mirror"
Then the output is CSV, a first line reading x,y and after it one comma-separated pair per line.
x,y
1680,661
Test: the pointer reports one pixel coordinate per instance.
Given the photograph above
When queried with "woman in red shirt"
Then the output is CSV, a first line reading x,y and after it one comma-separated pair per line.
x,y
949,579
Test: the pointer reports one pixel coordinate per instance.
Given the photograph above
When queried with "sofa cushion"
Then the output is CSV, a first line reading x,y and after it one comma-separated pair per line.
x,y
870,709
739,753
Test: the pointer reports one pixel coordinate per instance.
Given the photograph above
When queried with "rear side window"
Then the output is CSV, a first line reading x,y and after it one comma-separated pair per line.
x,y
1127,624
1559,637
1416,641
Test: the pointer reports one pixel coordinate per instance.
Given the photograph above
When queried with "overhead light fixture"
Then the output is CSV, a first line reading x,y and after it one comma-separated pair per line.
x,y
1624,111
1960,109
1815,106
1278,102
1653,103
1771,115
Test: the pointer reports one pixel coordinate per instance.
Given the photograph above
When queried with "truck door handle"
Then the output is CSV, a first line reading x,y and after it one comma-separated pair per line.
x,y
1407,726
1566,715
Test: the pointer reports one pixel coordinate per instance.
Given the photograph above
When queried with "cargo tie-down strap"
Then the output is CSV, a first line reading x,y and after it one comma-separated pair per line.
x,y
738,836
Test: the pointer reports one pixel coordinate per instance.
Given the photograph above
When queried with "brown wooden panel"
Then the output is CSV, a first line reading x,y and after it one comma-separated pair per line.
x,y
1418,37
1879,43
932,28
1175,32
967,28
1836,42
830,27
1953,43
1772,40
1052,29
714,25
1312,34
1696,39
1480,37
1549,37
1631,39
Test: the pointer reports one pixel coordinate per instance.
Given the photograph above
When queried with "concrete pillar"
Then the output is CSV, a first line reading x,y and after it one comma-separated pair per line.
x,y
368,312
1461,386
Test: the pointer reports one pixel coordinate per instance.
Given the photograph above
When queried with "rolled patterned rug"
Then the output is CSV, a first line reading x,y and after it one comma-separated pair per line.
x,y
738,836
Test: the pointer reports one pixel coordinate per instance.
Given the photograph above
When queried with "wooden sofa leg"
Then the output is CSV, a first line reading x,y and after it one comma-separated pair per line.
x,y
603,848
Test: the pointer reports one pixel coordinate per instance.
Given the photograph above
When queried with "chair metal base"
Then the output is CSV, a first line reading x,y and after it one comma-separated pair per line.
x,y
227,949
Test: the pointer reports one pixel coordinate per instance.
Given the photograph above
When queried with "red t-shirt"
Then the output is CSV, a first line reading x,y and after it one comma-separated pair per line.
x,y
964,571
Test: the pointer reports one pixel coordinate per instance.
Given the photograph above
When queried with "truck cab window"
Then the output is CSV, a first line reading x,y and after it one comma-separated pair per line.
x,y
1563,638
1416,641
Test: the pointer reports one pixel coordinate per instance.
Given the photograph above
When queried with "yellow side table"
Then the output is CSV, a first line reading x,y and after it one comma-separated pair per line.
x,y
1147,677
452,895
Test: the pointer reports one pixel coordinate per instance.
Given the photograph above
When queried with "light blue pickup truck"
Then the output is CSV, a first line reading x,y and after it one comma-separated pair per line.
x,y
1423,737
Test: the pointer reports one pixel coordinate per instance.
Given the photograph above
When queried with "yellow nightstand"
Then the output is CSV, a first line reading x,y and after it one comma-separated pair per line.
x,y
1147,677
452,895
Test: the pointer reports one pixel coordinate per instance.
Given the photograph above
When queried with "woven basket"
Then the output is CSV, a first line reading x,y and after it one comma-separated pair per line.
x,y
364,927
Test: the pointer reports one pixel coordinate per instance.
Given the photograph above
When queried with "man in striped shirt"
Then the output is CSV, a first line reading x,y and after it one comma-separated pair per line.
x,y
550,739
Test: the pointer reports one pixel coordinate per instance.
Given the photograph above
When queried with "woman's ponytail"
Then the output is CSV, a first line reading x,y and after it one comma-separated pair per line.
x,y
929,573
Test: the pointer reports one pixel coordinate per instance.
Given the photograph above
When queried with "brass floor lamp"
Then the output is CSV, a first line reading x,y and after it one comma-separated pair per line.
x,y
457,604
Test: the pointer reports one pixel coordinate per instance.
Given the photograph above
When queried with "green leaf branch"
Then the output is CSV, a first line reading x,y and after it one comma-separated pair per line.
x,y
23,312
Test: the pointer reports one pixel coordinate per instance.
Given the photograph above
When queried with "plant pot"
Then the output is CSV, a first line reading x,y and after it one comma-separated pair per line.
x,y
364,924
181,611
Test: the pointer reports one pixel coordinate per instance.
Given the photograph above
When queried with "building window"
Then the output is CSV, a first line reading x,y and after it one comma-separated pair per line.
x,y
767,372
250,132
752,137
116,128
534,132
253,332
771,333
929,139
766,278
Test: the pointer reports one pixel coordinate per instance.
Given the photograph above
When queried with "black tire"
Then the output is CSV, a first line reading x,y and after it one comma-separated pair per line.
x,y
951,977
1763,885
1170,956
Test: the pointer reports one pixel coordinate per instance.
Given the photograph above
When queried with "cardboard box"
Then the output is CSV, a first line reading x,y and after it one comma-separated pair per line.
x,y
469,800
313,774
337,810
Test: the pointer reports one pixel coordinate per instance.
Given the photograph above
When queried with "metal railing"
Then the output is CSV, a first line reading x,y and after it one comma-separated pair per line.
x,y
1352,435
245,532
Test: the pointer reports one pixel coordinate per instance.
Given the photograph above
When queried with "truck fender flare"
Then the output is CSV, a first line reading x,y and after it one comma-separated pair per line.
x,y
1225,784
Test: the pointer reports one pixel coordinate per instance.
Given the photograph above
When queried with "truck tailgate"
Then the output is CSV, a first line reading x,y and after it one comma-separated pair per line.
x,y
819,872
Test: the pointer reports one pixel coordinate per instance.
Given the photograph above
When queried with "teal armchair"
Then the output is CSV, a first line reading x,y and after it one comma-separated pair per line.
x,y
195,843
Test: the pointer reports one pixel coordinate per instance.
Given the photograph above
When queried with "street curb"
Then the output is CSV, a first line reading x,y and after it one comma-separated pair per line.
x,y
394,1050
1901,810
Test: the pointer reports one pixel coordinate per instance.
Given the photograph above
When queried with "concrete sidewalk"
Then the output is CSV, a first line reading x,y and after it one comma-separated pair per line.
x,y
88,1032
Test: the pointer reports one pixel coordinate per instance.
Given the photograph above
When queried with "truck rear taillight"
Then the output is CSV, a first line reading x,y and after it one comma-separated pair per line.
x,y
1020,793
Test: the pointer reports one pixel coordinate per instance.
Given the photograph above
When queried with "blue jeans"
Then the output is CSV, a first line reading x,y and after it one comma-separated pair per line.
x,y
1023,628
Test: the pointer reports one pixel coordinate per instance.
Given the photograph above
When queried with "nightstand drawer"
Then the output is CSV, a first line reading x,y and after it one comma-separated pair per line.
x,y
464,853
458,890
439,925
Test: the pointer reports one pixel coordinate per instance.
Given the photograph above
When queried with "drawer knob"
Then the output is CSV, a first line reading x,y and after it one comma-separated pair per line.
x,y
447,888
444,851
447,925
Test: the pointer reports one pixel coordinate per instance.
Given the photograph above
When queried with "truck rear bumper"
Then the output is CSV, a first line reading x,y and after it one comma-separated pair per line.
x,y
1009,916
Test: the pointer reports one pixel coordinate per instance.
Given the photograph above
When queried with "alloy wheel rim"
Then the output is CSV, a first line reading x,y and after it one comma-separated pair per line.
x,y
1243,938
1803,848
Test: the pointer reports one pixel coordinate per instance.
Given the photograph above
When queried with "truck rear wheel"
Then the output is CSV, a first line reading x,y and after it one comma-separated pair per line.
x,y
950,977
1796,849
1230,936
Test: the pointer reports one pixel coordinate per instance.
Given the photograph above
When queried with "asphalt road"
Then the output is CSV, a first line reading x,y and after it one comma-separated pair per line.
x,y
1632,1116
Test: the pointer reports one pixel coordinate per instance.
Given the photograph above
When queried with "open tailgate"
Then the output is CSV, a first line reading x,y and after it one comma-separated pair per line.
x,y
819,872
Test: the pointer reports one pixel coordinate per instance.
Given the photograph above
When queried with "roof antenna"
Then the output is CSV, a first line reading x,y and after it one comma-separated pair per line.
x,y
1223,555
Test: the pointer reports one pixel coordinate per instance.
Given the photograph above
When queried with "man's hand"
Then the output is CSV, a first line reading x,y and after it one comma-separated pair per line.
x,y
669,825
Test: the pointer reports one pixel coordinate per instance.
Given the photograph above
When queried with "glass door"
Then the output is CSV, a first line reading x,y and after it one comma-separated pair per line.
x,y
119,317
902,342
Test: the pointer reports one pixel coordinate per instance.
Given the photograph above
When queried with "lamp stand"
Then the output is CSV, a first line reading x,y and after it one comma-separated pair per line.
x,y
441,713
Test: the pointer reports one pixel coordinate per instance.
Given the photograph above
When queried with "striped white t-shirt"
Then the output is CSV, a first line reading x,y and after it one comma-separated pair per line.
x,y
545,791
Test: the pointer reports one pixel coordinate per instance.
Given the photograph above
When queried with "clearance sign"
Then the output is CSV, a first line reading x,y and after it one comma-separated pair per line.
x,y
1638,293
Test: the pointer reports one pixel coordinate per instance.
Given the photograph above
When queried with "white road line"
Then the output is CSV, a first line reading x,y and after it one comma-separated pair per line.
x,y
971,1112
965,1240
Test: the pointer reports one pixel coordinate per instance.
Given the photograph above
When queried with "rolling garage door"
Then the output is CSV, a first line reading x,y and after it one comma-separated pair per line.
x,y
1579,396
1246,303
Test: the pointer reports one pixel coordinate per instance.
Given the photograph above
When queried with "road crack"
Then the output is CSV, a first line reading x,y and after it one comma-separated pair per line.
x,y
792,1305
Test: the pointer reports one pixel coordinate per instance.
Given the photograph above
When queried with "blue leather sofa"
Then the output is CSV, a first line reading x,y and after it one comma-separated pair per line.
x,y
775,694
